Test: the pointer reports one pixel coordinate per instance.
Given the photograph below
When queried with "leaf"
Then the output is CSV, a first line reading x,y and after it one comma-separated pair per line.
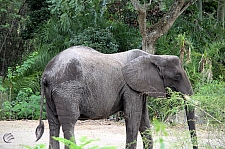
x,y
162,144
68,143
38,146
84,141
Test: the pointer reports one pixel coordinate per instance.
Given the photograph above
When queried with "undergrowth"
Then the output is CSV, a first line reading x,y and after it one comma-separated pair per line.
x,y
84,143
211,98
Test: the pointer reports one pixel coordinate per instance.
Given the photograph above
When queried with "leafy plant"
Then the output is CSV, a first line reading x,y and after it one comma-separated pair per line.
x,y
160,129
126,37
161,108
211,99
84,141
38,146
22,76
22,85
6,110
25,106
99,39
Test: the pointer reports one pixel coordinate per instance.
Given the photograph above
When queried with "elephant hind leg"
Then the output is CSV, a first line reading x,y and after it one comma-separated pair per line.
x,y
68,114
54,126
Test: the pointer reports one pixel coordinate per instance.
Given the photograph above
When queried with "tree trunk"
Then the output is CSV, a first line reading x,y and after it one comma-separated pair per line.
x,y
151,34
200,9
220,12
148,46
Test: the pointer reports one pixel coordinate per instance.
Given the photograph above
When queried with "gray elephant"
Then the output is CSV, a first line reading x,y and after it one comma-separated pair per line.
x,y
81,83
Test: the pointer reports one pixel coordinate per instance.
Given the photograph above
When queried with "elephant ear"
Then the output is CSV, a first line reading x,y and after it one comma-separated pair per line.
x,y
144,74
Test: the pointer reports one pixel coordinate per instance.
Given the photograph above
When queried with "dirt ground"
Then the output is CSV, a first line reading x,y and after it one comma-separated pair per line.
x,y
110,133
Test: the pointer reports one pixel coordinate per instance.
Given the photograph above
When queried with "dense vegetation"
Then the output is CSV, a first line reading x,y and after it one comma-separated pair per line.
x,y
32,32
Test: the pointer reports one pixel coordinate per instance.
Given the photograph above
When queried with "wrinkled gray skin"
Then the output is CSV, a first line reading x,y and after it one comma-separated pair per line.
x,y
81,83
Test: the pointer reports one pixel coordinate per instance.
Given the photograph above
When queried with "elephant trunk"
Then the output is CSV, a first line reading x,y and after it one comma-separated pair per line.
x,y
186,90
190,113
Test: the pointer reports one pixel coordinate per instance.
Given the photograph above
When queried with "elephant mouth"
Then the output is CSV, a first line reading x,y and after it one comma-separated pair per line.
x,y
170,89
173,88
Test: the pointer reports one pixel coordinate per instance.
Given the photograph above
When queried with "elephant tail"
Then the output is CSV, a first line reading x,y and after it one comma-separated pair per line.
x,y
40,128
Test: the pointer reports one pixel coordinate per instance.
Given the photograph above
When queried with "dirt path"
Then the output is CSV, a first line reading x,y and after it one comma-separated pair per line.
x,y
110,134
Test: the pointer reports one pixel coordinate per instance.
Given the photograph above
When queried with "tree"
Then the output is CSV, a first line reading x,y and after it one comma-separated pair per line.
x,y
151,33
200,9
12,18
38,15
220,12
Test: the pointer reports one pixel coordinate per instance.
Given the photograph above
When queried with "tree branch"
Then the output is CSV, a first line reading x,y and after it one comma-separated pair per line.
x,y
140,7
186,6
151,34
161,27
141,16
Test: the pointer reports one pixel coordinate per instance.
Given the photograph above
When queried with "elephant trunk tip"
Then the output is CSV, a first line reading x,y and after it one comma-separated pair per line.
x,y
39,130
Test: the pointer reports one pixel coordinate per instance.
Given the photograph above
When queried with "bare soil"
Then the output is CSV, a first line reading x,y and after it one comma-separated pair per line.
x,y
111,133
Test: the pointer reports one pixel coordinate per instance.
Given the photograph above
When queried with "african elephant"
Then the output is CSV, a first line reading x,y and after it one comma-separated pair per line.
x,y
81,83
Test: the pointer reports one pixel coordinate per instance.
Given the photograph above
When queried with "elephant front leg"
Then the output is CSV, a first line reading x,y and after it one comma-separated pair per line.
x,y
145,127
132,116
132,124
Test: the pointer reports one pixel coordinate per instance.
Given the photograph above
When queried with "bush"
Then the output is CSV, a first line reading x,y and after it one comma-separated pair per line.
x,y
84,142
25,106
211,99
22,86
161,108
97,38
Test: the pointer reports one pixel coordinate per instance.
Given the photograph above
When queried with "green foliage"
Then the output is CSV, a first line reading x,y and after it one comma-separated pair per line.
x,y
22,76
22,69
160,130
22,85
127,37
208,97
216,52
205,36
25,106
211,99
82,14
161,108
38,14
84,141
6,109
99,39
38,146
12,21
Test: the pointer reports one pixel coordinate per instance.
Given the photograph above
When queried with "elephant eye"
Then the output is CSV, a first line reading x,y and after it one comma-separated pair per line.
x,y
177,77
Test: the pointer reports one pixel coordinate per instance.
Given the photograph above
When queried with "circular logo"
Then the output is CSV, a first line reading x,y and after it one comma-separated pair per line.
x,y
8,137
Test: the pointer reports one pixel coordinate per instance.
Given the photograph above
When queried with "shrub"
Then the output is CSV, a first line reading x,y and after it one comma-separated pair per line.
x,y
161,108
84,142
97,38
25,106
211,99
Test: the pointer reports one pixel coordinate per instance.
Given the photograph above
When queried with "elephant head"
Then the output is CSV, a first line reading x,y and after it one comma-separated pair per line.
x,y
152,74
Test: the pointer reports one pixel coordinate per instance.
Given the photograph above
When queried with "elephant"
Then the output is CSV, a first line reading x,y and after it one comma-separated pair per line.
x,y
81,83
